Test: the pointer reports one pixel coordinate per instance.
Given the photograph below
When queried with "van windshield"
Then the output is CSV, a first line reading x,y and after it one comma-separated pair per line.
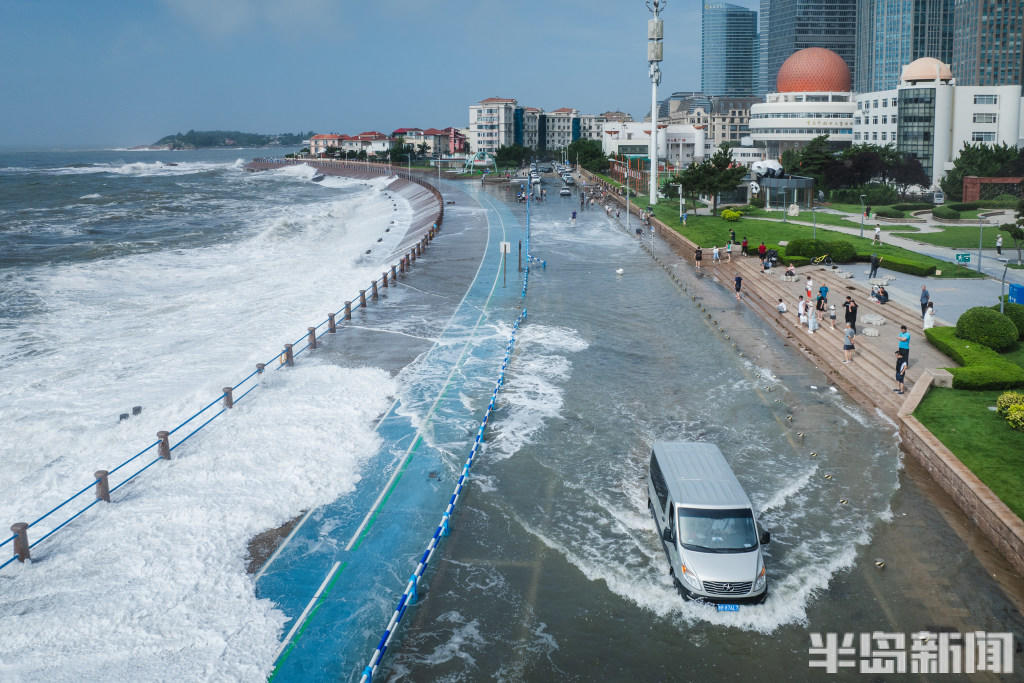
x,y
717,531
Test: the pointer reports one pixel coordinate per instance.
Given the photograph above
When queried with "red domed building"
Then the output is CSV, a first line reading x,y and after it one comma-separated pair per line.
x,y
812,98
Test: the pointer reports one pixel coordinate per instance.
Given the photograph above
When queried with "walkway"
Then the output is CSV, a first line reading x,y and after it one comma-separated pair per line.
x,y
340,572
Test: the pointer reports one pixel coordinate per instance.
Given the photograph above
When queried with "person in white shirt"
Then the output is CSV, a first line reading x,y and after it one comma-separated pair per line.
x,y
782,306
801,311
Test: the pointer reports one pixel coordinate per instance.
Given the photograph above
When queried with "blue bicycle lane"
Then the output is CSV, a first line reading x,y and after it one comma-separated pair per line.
x,y
340,572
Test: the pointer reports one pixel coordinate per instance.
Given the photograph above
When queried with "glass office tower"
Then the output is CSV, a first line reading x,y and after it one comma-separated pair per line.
x,y
892,33
791,25
988,46
728,49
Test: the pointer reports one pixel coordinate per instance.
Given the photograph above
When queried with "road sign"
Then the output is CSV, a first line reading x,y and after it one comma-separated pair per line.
x,y
506,247
963,257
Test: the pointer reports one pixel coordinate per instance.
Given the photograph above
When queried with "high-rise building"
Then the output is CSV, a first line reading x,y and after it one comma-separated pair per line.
x,y
791,25
988,46
891,33
728,49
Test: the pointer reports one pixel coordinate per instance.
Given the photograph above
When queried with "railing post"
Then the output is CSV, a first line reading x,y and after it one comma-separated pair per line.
x,y
332,326
21,541
362,298
260,367
412,255
401,264
374,285
164,449
312,337
394,275
385,278
348,310
229,400
102,486
289,359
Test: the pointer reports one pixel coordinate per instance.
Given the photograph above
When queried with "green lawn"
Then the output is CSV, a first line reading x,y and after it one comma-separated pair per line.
x,y
825,219
980,438
960,237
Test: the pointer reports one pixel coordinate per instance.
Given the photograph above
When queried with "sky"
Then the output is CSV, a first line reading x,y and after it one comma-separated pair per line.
x,y
77,73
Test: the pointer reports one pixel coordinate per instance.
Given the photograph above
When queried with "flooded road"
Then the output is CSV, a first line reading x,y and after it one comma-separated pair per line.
x,y
553,570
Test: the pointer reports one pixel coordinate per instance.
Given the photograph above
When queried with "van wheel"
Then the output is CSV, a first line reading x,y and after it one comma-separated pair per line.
x,y
679,587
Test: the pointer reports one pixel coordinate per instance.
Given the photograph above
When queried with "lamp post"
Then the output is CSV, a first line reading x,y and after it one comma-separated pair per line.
x,y
862,197
981,232
655,32
680,187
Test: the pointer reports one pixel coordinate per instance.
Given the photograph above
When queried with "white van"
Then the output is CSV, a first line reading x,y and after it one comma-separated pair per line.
x,y
706,524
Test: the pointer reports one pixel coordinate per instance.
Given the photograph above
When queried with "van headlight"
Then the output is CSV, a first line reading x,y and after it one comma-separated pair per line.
x,y
761,579
690,577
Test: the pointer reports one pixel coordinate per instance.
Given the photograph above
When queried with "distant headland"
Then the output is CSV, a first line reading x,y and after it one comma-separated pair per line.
x,y
205,139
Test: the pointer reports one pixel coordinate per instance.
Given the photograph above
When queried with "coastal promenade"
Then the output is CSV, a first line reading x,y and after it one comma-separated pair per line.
x,y
870,378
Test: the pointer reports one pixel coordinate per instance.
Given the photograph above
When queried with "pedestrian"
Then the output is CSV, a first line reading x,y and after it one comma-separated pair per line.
x,y
925,298
848,346
878,234
929,316
781,308
761,251
728,252
743,247
876,260
684,218
832,315
819,306
823,291
801,310
901,372
809,287
715,260
739,285
999,245
851,312
574,218
697,256
904,343
732,235
812,323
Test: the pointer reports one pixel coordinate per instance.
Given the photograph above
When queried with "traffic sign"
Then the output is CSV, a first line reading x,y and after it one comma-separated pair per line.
x,y
963,258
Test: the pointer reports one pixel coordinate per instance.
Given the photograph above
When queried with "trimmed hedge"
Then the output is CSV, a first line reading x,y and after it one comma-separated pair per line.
x,y
983,369
919,206
964,206
946,213
883,212
901,265
988,327
841,252
1014,312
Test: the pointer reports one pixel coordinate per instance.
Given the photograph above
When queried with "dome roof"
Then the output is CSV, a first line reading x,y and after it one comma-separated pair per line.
x,y
813,69
926,69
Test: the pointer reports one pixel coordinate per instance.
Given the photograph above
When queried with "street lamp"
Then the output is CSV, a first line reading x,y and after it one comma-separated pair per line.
x,y
862,198
655,32
981,232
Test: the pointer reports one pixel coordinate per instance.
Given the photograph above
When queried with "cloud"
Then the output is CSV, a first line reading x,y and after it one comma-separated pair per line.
x,y
294,18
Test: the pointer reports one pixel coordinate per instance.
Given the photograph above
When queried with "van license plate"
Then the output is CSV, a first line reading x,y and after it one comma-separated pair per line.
x,y
728,608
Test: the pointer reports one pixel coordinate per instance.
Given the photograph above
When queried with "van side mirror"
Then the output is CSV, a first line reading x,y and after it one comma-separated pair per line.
x,y
667,535
766,538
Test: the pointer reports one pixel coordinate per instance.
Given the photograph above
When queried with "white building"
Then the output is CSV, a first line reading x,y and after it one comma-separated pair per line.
x,y
499,122
679,145
932,118
813,98
491,124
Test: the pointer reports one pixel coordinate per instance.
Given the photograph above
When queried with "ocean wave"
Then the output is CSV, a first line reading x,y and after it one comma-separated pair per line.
x,y
143,168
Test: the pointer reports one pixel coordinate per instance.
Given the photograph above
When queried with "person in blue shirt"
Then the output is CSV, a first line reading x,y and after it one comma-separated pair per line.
x,y
904,345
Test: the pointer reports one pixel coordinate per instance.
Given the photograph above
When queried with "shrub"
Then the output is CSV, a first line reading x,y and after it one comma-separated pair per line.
x,y
988,327
984,369
1007,399
946,213
731,215
902,265
1015,417
919,206
841,252
964,206
883,212
877,194
1014,312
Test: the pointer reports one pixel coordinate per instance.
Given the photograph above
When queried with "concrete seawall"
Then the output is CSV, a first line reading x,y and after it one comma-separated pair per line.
x,y
867,381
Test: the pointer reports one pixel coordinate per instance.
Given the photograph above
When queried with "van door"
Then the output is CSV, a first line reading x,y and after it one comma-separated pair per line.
x,y
673,552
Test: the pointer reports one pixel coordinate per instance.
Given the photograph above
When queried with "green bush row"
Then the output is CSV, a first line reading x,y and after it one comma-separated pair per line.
x,y
884,212
946,213
919,206
983,368
1014,312
902,265
841,252
876,194
1006,201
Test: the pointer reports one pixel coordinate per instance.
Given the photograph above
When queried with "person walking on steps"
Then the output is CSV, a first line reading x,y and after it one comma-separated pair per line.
x,y
739,285
848,347
904,343
761,251
851,312
697,256
876,260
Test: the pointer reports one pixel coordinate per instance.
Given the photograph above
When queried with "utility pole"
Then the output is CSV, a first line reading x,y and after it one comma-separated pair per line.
x,y
655,33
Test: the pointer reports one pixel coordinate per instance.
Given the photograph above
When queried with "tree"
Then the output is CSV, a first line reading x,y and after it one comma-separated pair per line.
x,y
589,153
1016,231
511,155
982,160
908,171
423,149
815,157
362,155
714,175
